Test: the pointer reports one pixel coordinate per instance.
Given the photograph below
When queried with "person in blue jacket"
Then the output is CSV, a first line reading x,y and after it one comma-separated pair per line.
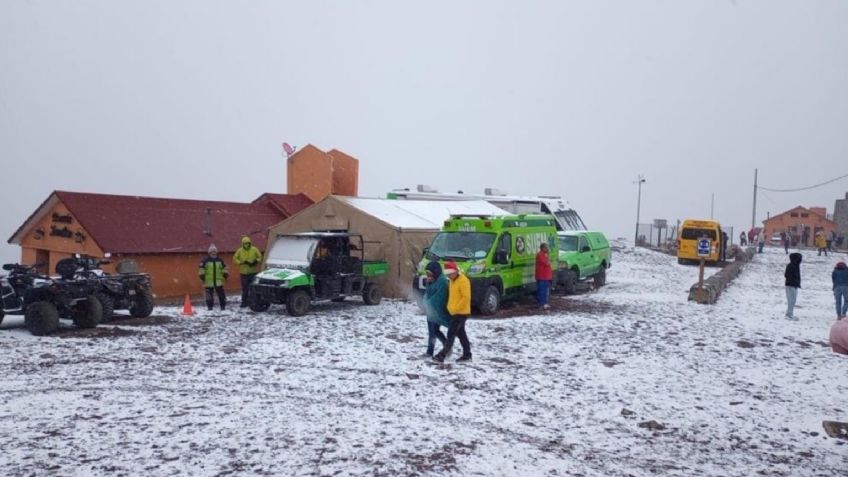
x,y
840,289
435,305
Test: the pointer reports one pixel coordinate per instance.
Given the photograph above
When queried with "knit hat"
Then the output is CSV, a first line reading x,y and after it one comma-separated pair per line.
x,y
213,249
450,268
434,268
840,265
245,240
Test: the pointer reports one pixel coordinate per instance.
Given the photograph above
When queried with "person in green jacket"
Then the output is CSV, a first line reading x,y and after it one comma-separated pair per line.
x,y
435,305
213,272
248,259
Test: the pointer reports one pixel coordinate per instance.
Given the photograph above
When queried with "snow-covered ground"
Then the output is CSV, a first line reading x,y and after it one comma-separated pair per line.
x,y
732,389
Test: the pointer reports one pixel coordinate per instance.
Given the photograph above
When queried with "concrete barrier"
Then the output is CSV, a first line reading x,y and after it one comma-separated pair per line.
x,y
714,285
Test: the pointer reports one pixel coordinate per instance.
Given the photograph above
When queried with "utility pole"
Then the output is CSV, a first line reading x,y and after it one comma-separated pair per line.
x,y
754,211
638,208
712,205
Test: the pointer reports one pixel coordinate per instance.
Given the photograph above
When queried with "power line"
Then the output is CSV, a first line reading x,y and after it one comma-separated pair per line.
x,y
803,188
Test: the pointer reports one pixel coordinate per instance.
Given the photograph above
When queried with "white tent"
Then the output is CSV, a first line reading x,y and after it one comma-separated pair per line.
x,y
395,231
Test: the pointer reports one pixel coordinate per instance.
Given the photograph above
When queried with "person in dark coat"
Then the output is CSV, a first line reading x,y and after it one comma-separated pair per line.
x,y
793,283
743,240
213,272
840,289
435,305
784,239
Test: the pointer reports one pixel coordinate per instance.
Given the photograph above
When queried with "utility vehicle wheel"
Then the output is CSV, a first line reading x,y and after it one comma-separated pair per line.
x,y
258,305
41,318
372,294
88,313
601,277
569,281
491,301
297,303
142,304
107,303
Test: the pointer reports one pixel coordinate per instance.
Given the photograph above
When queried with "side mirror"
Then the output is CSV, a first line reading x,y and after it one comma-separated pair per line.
x,y
586,248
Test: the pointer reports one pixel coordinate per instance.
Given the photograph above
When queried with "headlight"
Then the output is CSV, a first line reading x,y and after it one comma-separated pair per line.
x,y
476,268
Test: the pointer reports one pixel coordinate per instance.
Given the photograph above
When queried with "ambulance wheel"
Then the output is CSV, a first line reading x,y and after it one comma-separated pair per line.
x,y
491,301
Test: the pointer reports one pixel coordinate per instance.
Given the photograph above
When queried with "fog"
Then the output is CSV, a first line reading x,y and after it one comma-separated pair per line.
x,y
192,99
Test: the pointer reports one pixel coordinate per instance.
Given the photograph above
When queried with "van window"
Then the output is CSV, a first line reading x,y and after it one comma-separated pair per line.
x,y
695,234
568,243
462,245
505,243
582,244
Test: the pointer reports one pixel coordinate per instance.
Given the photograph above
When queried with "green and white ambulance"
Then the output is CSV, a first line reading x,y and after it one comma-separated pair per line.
x,y
497,253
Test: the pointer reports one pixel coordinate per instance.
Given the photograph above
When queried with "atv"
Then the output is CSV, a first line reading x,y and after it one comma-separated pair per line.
x,y
128,290
302,269
43,300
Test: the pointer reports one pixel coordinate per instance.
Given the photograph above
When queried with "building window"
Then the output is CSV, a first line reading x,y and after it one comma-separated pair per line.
x,y
804,215
794,214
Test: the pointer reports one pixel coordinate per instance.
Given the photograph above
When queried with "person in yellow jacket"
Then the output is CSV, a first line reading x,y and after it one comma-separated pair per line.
x,y
821,243
248,259
459,307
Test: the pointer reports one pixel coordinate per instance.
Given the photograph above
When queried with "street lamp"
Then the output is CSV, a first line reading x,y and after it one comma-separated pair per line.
x,y
638,209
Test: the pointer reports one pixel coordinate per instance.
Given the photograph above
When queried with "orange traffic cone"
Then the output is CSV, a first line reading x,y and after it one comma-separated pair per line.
x,y
187,311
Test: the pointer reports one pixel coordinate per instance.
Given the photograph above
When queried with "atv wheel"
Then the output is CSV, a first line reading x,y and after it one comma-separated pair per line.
x,y
372,295
601,277
297,303
88,313
258,305
491,301
142,304
108,305
41,318
569,281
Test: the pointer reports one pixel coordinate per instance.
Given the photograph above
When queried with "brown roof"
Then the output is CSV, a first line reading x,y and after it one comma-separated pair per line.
x,y
287,204
132,224
798,209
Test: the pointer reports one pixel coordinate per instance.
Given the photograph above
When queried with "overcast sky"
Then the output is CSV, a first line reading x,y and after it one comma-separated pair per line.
x,y
192,99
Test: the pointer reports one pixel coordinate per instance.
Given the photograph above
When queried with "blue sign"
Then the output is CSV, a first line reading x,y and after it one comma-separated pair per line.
x,y
703,247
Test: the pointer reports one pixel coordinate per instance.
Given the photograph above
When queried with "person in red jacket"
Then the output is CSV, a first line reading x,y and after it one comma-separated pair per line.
x,y
544,276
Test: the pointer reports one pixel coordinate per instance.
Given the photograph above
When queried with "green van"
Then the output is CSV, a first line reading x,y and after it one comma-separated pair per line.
x,y
582,255
497,253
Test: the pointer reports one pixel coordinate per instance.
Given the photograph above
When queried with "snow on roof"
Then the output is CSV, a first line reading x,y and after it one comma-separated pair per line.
x,y
420,214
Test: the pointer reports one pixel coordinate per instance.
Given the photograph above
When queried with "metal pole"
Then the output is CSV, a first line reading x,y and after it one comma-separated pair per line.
x,y
712,205
638,209
754,211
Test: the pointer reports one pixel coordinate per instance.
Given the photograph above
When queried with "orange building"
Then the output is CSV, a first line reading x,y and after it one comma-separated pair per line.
x,y
318,174
800,224
166,237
